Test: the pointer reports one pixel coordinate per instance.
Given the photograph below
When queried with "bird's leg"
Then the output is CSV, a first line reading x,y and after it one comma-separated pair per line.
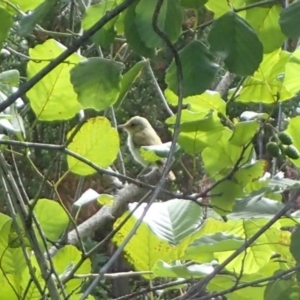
x,y
140,175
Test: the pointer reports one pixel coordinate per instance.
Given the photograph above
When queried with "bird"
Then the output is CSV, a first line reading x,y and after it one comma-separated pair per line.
x,y
141,133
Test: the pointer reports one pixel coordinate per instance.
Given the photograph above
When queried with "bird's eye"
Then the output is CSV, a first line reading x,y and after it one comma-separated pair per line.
x,y
132,124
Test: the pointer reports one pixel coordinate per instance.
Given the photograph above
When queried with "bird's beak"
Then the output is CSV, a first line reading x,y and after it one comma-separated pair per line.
x,y
122,126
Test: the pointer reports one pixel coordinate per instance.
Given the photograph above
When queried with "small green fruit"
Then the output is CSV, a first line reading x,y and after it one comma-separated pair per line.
x,y
273,149
285,138
292,152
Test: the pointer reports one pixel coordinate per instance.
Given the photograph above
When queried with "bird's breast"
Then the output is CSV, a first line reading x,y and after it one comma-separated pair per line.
x,y
135,151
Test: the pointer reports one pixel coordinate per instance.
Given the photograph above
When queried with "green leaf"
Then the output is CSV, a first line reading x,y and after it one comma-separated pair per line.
x,y
198,130
128,79
5,225
198,69
222,282
67,257
289,20
295,244
158,151
26,5
12,259
132,34
6,24
172,220
255,206
293,131
233,39
243,133
97,82
54,223
256,256
264,21
152,247
225,154
209,100
28,23
105,199
225,195
163,269
192,3
195,142
104,36
250,172
221,7
169,21
9,287
281,289
291,76
10,78
267,82
191,122
216,242
96,141
53,97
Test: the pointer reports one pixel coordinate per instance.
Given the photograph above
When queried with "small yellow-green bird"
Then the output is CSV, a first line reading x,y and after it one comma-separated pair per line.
x,y
141,133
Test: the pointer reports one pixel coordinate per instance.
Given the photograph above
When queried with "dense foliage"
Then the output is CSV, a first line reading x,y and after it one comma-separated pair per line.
x,y
220,79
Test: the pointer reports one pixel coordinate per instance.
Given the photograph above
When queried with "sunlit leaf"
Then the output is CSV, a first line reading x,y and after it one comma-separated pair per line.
x,y
209,100
192,3
243,133
163,269
264,21
255,206
53,224
266,84
104,36
217,242
225,195
105,199
225,153
53,97
71,255
168,220
96,141
26,5
250,172
292,77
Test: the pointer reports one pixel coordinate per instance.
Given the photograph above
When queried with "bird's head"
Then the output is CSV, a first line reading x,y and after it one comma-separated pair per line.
x,y
135,124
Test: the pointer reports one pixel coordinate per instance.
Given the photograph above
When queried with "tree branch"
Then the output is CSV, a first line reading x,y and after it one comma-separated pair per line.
x,y
59,59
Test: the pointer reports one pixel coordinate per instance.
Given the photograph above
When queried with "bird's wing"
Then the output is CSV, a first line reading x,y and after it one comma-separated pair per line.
x,y
146,137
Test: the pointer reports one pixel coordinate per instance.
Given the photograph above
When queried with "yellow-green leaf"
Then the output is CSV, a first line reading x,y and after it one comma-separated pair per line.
x,y
53,97
243,133
200,103
105,199
96,141
26,5
267,81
